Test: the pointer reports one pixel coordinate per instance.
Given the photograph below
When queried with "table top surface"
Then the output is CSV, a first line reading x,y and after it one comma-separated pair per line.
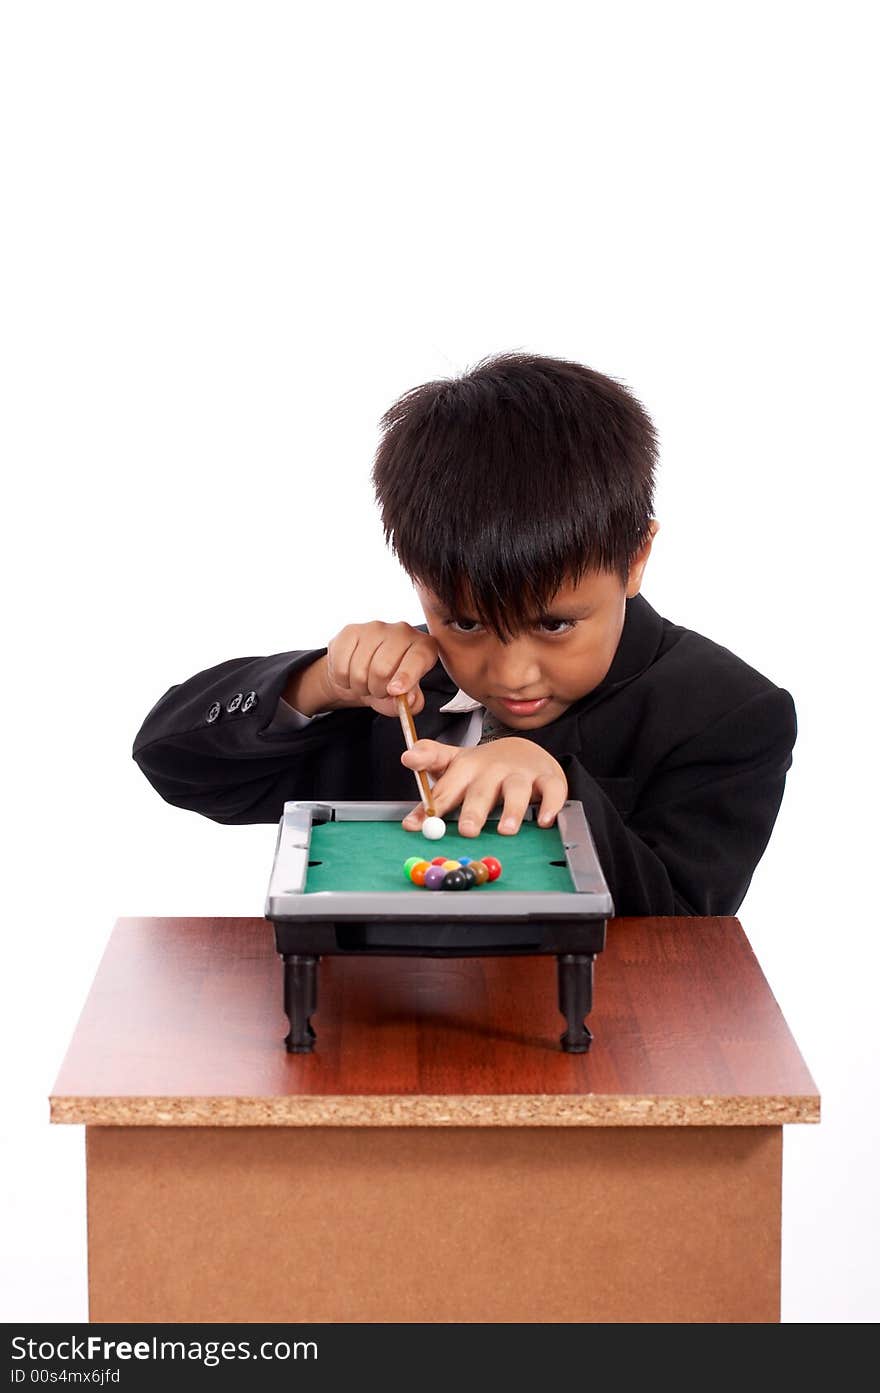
x,y
345,859
364,856
184,1026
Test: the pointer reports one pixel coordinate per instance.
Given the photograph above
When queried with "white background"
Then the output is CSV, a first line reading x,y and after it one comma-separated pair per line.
x,y
232,235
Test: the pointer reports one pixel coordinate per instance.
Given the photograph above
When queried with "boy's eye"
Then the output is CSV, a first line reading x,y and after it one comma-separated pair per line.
x,y
556,626
548,626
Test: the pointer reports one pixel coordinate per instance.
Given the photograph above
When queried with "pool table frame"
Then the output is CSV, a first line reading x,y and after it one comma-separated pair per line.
x,y
445,924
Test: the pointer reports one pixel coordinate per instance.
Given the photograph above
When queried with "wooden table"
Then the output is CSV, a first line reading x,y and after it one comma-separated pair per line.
x,y
438,1158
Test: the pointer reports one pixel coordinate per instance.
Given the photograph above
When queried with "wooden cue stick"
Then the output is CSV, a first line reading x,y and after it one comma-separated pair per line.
x,y
409,735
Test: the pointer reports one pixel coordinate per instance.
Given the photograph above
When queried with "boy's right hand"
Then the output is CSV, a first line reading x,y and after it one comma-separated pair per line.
x,y
372,664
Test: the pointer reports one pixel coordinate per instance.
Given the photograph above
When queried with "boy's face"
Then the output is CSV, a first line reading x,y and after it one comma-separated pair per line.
x,y
535,676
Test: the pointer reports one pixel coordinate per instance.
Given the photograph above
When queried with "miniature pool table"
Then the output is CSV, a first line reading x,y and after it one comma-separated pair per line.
x,y
338,886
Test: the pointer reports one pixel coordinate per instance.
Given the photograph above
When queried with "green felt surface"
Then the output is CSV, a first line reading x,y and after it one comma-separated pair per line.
x,y
369,857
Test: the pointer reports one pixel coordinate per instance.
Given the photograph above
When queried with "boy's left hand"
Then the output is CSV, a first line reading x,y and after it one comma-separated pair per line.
x,y
512,770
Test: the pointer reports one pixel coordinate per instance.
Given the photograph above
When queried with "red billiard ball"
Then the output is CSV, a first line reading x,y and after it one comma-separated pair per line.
x,y
493,866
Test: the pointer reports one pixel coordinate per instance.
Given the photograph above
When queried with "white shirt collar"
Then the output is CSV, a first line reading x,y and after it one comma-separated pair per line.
x,y
461,702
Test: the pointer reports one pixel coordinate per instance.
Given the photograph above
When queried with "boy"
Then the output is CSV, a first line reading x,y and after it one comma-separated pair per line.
x,y
519,499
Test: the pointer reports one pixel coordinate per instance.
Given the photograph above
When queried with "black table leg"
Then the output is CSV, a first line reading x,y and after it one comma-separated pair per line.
x,y
575,999
300,1000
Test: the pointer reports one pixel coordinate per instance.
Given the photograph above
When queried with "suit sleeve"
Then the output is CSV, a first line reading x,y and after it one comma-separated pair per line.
x,y
241,766
701,824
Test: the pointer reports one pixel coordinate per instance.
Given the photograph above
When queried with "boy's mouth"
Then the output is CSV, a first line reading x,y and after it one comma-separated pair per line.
x,y
524,708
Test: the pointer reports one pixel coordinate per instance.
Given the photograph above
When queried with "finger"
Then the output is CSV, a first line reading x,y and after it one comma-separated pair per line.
x,y
451,787
517,790
362,659
339,656
384,662
432,755
479,800
387,706
416,699
412,665
553,789
397,650
413,820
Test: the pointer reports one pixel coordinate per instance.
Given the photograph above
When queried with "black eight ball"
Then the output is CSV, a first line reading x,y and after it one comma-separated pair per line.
x,y
456,880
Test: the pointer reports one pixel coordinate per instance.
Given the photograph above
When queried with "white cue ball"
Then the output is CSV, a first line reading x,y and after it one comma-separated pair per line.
x,y
433,828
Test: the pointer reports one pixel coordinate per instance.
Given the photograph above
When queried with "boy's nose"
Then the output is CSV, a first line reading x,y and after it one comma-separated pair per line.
x,y
512,673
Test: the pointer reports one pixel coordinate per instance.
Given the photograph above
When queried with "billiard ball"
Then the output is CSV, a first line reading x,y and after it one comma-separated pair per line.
x,y
465,860
493,866
455,880
468,873
409,863
433,828
450,864
437,860
417,874
480,871
434,878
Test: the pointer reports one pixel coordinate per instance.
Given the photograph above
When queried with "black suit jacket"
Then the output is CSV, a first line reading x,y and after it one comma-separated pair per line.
x,y
679,757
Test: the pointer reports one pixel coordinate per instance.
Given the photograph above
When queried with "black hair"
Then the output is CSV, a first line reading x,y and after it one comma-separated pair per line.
x,y
498,486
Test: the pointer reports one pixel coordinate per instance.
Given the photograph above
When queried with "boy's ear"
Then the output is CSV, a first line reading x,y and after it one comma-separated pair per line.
x,y
636,570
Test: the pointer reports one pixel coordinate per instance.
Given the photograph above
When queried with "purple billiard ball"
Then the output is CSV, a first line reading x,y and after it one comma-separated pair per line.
x,y
434,878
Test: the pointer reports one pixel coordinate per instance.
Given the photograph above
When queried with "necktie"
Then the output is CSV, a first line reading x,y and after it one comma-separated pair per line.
x,y
493,729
